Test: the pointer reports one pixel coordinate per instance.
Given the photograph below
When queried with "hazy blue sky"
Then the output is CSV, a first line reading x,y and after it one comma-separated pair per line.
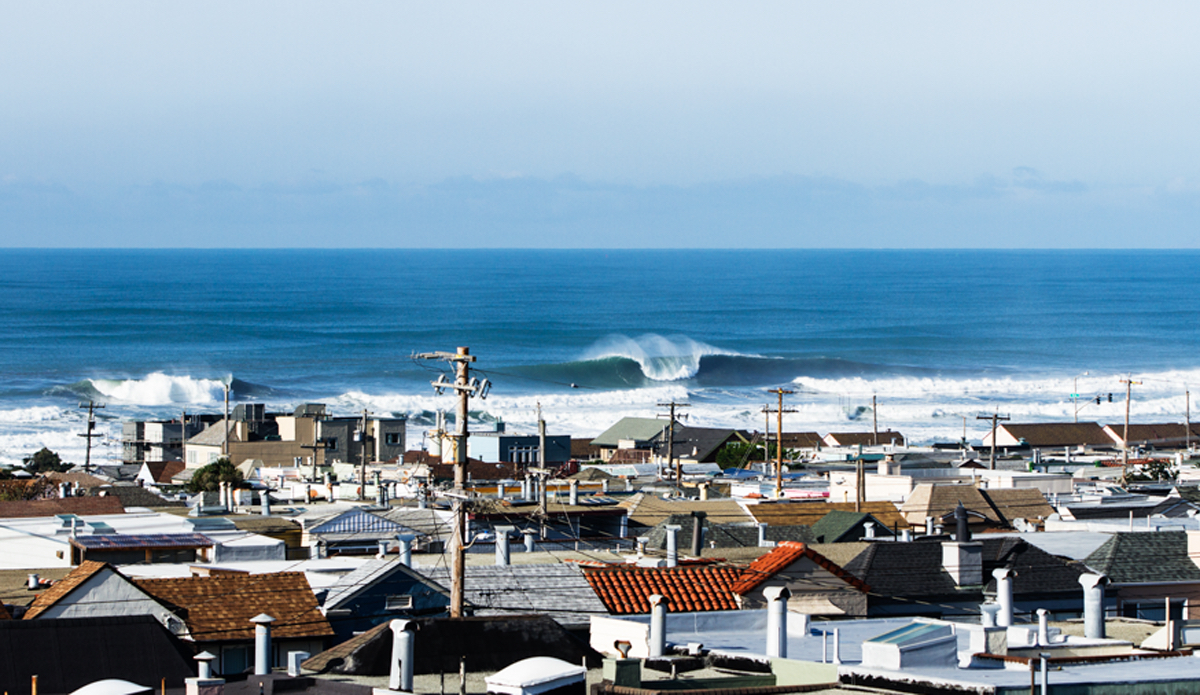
x,y
1029,124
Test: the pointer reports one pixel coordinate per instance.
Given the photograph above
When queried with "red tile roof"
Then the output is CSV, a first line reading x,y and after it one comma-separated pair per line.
x,y
64,586
625,590
82,506
219,608
780,558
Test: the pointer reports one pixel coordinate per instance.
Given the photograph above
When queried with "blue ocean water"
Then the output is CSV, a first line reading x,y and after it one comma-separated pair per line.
x,y
936,336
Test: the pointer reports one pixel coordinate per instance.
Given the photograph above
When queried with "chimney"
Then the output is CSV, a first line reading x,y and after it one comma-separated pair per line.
x,y
624,528
500,491
530,540
604,486
962,532
777,599
1043,628
574,499
382,550
658,624
673,545
697,533
262,644
928,526
703,492
294,669
905,535
1093,604
641,546
989,638
204,681
401,675
502,559
762,537
964,562
265,497
1004,596
33,582
868,529
405,549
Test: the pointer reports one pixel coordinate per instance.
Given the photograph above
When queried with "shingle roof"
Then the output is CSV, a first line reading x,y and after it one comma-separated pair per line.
x,y
698,443
936,500
809,513
628,590
163,471
135,496
214,435
650,510
60,589
722,535
838,523
636,428
1132,558
864,438
1050,434
783,556
363,578
1165,435
219,607
1019,503
559,591
81,506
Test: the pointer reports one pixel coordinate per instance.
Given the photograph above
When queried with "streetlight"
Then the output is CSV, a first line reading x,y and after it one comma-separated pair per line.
x,y
1075,395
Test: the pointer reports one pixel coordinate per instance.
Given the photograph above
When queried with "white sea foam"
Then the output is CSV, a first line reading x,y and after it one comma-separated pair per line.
x,y
662,358
161,389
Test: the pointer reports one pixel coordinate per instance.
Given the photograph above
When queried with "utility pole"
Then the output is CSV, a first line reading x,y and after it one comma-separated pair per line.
x,y
779,440
874,422
362,441
671,440
183,436
465,387
1125,435
90,434
994,418
541,438
1187,419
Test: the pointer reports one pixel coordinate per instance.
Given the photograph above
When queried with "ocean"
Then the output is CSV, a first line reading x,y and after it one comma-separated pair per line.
x,y
936,337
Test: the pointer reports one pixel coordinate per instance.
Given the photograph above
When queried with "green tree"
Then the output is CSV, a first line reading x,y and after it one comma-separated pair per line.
x,y
45,461
210,477
736,454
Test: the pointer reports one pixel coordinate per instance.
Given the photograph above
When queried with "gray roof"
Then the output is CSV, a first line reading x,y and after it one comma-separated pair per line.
x,y
427,522
1134,558
559,591
642,429
723,536
351,584
840,525
214,434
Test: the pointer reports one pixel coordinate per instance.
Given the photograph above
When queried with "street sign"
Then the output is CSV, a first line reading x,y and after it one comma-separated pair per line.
x,y
1074,395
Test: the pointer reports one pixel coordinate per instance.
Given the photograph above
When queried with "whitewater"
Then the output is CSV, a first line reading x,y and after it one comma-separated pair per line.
x,y
937,339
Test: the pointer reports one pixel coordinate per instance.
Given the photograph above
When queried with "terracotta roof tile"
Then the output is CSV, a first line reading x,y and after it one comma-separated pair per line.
x,y
626,590
780,558
82,506
64,586
219,607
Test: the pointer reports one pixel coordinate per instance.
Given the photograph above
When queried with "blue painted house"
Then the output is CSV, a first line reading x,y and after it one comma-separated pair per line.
x,y
379,591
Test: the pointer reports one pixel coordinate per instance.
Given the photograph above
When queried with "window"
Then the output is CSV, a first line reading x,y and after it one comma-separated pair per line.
x,y
330,443
392,439
401,602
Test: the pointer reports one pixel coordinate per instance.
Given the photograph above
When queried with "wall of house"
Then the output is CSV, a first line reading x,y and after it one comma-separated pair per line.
x,y
815,591
1158,593
106,594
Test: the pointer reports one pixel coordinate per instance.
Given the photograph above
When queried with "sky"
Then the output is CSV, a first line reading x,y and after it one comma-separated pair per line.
x,y
600,124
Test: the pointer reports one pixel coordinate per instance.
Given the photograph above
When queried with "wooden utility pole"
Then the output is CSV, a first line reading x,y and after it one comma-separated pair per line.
x,y
317,447
671,439
465,387
994,418
874,422
1187,419
225,447
90,434
1125,435
362,467
779,440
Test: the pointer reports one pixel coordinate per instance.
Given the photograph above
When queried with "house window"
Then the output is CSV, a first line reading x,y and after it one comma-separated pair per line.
x,y
330,443
392,439
400,602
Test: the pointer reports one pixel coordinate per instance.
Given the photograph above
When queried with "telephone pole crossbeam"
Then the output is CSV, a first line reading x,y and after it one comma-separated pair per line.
x,y
1129,383
671,440
779,440
90,434
995,417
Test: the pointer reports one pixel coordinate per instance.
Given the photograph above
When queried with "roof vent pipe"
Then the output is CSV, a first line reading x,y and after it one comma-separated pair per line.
x,y
405,550
262,643
382,550
868,529
500,491
987,614
1004,596
928,526
673,545
204,665
777,599
697,533
961,530
658,625
1043,628
574,499
265,496
1093,604
905,535
530,539
762,536
502,556
401,675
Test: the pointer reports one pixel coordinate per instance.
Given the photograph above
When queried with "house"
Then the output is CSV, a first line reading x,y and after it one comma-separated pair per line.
x,y
995,508
349,531
646,510
155,473
817,585
559,591
216,614
1154,436
719,536
156,441
1145,569
1050,435
379,591
697,444
97,589
79,506
886,437
524,449
108,546
809,513
631,433
938,579
842,526
626,589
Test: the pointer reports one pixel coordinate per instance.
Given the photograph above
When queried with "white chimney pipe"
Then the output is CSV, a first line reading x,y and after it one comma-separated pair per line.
x,y
500,491
762,536
777,598
382,550
987,616
672,545
265,496
574,498
204,665
1004,597
837,646
604,486
658,624
928,526
1043,628
33,582
401,674
624,528
262,643
530,541
641,546
502,554
869,529
905,535
1093,604
405,550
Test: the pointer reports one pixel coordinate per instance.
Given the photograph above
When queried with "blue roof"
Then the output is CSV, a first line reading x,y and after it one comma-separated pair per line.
x,y
150,540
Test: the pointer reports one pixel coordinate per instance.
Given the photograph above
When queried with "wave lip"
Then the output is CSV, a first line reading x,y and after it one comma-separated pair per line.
x,y
661,358
159,389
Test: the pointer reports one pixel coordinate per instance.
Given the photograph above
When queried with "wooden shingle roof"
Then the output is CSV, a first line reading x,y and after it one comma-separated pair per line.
x,y
628,590
81,506
61,588
649,510
935,500
809,513
219,607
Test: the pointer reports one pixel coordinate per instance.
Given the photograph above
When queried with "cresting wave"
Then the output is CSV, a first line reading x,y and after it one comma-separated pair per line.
x,y
158,389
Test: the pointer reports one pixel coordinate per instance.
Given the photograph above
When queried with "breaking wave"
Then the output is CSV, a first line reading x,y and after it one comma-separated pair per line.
x,y
159,389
